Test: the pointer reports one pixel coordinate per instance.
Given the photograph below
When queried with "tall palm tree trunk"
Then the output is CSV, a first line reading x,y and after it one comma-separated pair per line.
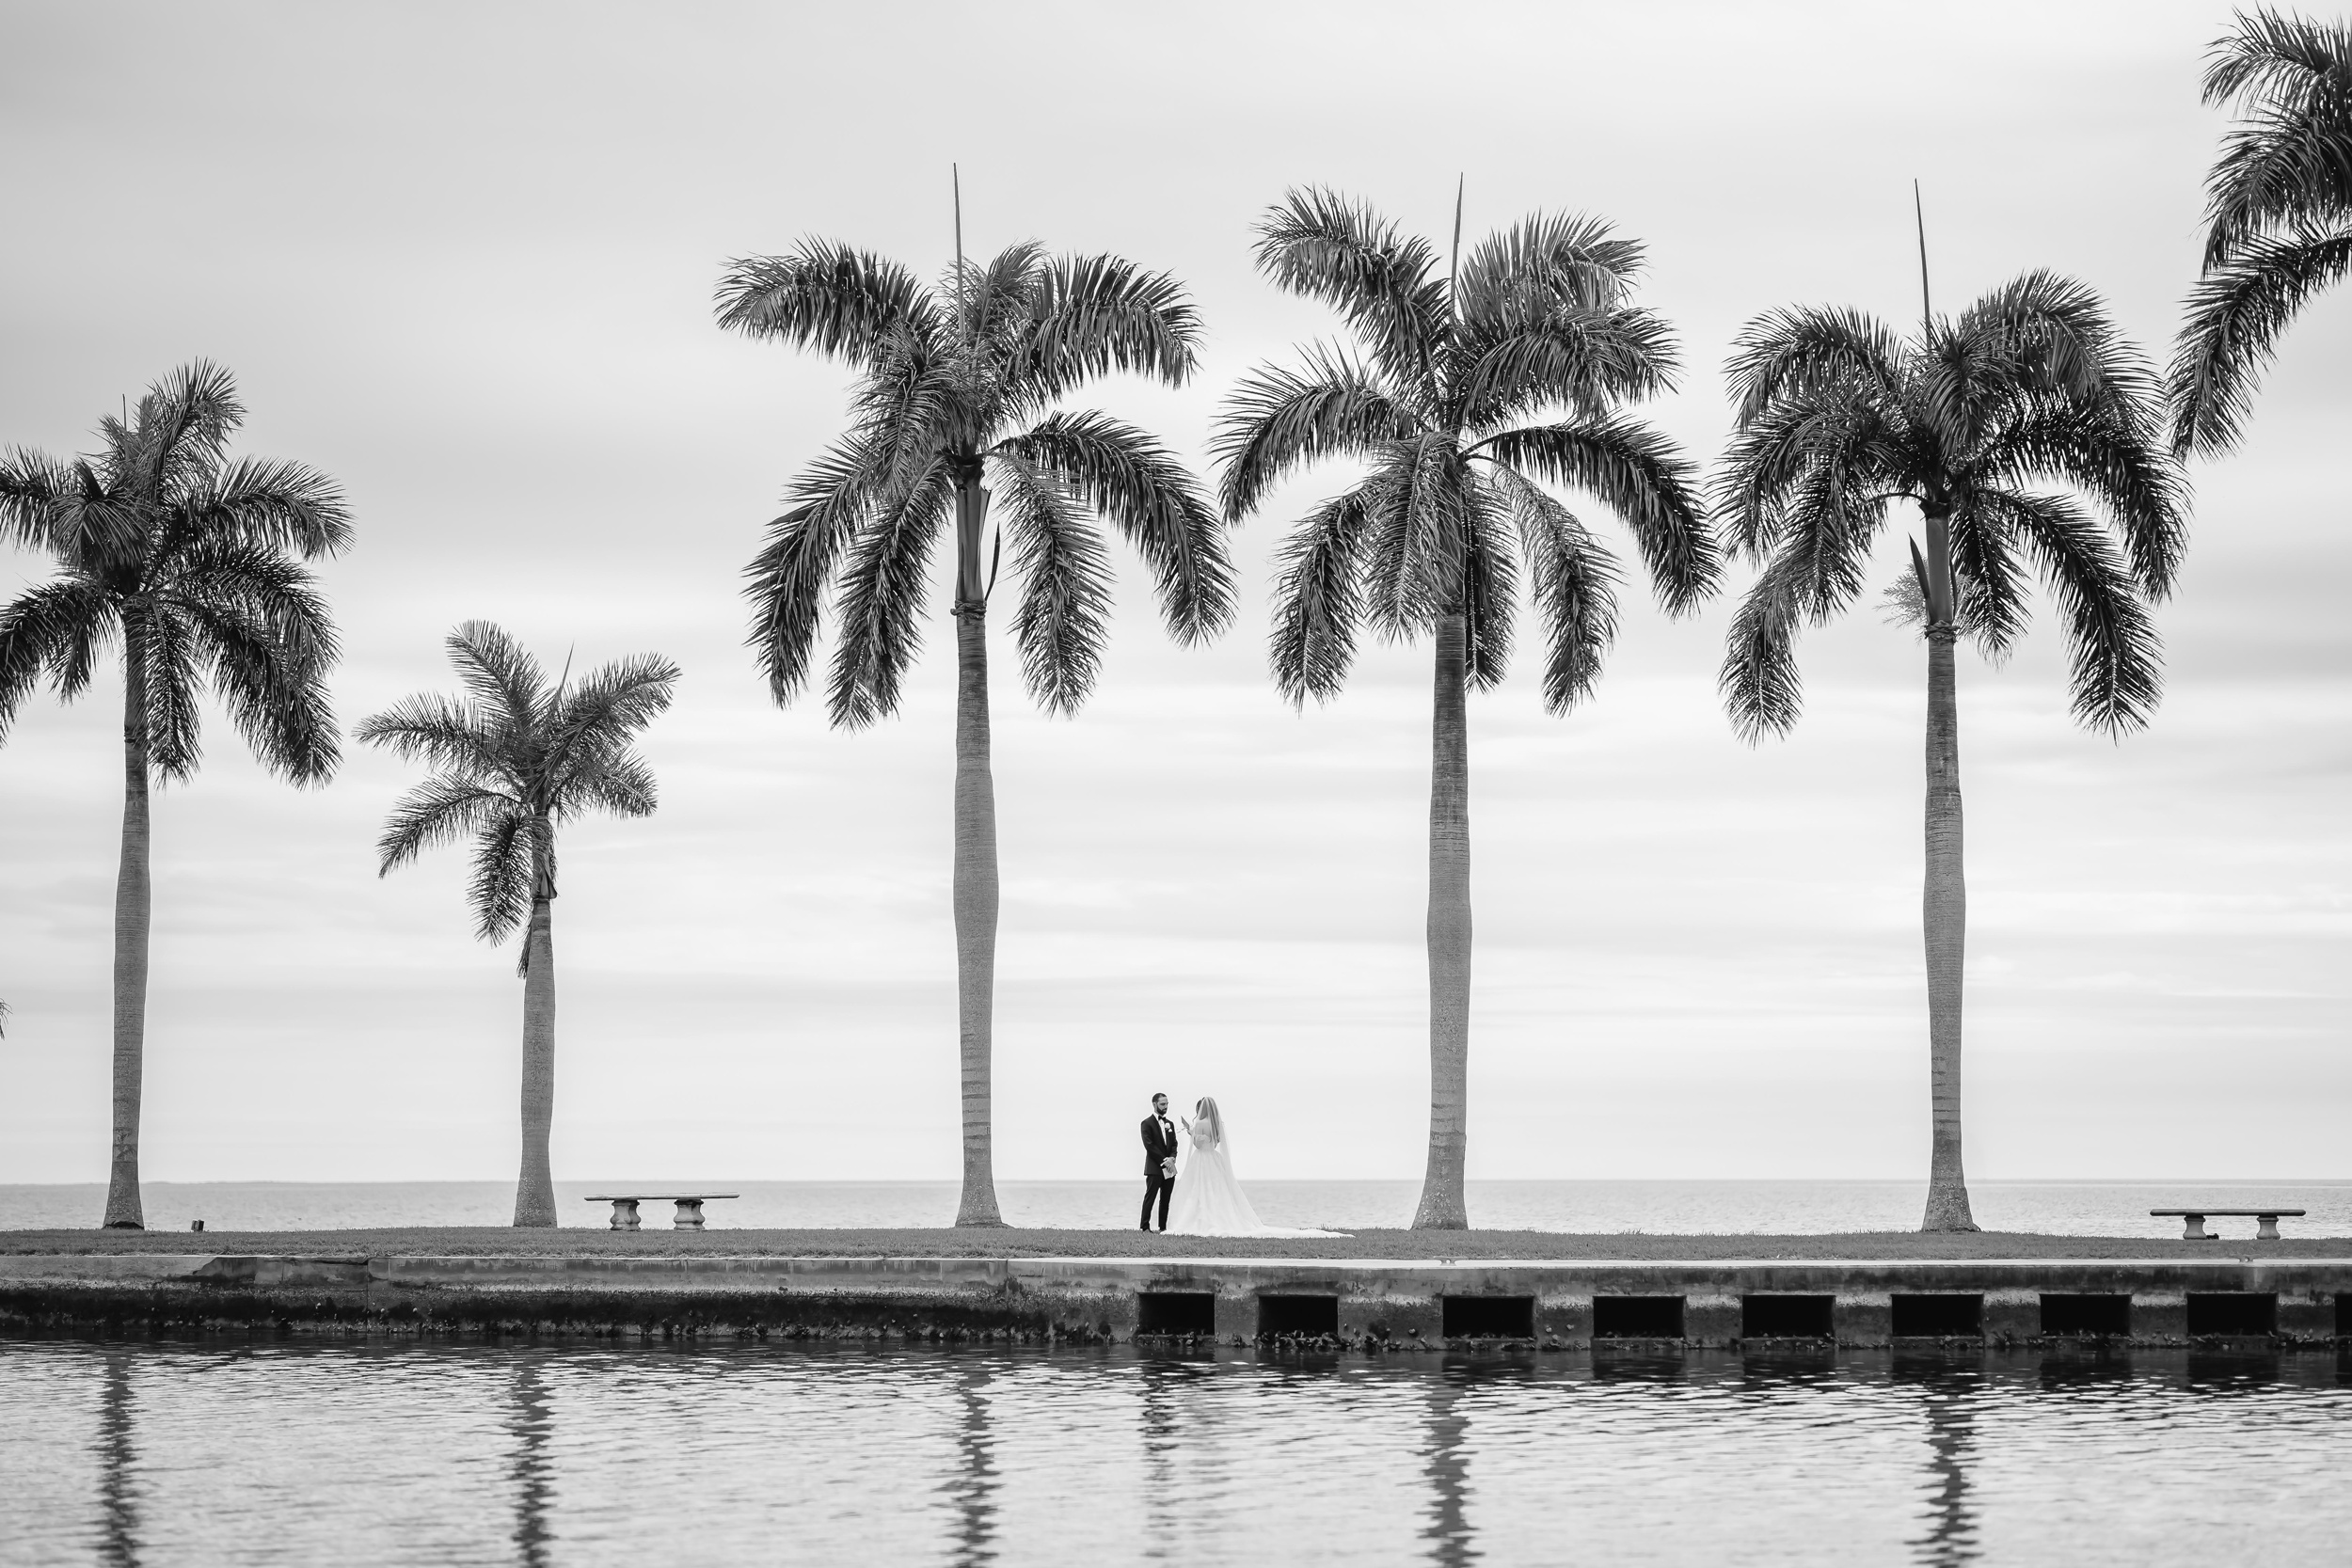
x,y
1943,906
974,889
133,905
534,1189
1441,1202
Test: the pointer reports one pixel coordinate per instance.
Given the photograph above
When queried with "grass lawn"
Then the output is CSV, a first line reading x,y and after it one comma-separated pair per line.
x,y
1459,1244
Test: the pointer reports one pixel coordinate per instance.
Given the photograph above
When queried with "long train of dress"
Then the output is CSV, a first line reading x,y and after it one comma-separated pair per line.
x,y
1209,1201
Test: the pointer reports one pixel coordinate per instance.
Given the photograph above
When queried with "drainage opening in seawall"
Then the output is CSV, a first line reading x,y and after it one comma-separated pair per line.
x,y
1298,1315
1176,1312
2232,1312
1486,1317
1637,1317
1786,1317
1938,1315
2086,1316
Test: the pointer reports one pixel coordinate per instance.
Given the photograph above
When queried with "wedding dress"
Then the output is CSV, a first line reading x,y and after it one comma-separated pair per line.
x,y
1208,1201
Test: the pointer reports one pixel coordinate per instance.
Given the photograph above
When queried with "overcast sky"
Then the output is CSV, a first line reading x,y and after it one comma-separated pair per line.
x,y
461,258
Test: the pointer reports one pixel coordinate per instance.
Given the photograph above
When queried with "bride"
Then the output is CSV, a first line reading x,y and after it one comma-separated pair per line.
x,y
1208,1201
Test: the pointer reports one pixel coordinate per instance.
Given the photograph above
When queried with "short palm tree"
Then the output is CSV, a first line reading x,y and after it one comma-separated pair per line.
x,y
187,562
513,760
1837,417
2278,210
957,401
1467,394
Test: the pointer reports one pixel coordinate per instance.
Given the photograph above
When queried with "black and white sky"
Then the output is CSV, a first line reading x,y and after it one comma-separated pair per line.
x,y
462,256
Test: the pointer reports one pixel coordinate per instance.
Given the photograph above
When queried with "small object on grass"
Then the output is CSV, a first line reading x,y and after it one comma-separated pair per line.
x,y
196,1225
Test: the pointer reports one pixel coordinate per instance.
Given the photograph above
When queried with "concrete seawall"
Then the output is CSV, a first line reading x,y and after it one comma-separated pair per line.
x,y
2289,1302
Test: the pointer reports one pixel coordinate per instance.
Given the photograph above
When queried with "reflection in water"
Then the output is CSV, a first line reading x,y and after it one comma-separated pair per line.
x,y
2084,1369
1948,1392
974,1487
1447,1469
118,1456
530,1423
1165,1381
1793,1363
368,1457
2232,1371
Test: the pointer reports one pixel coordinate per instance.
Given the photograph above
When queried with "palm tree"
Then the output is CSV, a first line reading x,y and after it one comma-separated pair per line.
x,y
188,562
1466,395
1838,416
513,760
2279,206
955,401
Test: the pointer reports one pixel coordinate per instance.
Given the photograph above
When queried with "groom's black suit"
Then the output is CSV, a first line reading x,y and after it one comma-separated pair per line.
x,y
1159,1143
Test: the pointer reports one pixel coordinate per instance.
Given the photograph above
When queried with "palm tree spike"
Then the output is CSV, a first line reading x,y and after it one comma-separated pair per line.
x,y
1919,215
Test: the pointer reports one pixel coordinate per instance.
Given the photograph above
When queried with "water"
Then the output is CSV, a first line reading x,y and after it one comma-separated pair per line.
x,y
272,1452
1756,1208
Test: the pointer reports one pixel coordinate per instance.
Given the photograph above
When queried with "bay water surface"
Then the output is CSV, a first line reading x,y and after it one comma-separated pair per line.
x,y
1752,1208
265,1453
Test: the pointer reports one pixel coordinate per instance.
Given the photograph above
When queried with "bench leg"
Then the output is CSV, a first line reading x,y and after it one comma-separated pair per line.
x,y
689,1215
2194,1230
2265,1227
624,1213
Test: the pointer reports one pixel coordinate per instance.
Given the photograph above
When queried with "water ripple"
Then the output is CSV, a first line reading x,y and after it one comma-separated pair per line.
x,y
144,1455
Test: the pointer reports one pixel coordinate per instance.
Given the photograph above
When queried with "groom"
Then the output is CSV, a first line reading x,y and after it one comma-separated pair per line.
x,y
1159,1160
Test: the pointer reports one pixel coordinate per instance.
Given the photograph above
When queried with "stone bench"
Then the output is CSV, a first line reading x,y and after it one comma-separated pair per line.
x,y
690,1207
2193,1221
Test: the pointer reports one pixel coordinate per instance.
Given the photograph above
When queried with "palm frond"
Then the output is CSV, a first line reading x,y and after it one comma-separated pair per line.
x,y
1638,473
1127,477
35,488
1545,262
283,505
2113,651
440,731
1091,315
788,579
498,887
171,674
1318,600
826,296
1489,591
182,427
1823,444
1417,538
2289,163
2235,315
1760,685
437,812
2107,446
2040,333
508,683
1989,600
1318,244
1574,582
1581,357
1277,421
880,605
1796,350
1064,613
56,629
270,663
621,783
605,708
